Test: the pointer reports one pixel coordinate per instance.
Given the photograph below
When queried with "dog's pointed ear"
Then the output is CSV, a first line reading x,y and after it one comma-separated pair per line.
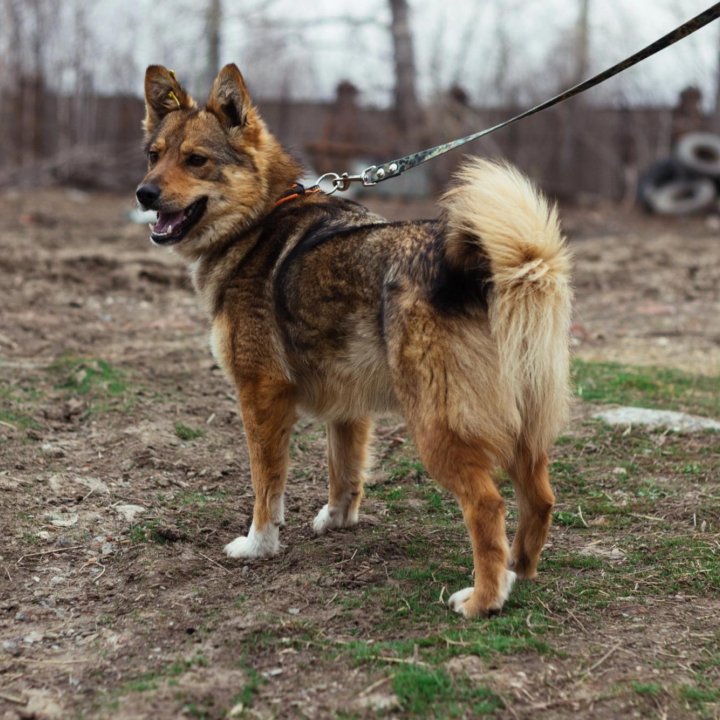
x,y
229,98
163,95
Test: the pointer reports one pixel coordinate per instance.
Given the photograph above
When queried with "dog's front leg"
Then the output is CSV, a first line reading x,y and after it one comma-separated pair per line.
x,y
268,410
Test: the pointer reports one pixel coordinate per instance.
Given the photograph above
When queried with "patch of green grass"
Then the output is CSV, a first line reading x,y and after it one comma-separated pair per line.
x,y
179,667
17,404
201,499
616,476
152,680
568,519
405,468
437,633
652,689
185,432
147,532
697,696
82,376
30,538
651,387
664,567
431,692
142,683
103,387
682,563
251,688
395,497
19,419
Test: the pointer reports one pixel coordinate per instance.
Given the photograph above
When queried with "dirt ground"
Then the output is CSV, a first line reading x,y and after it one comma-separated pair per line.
x,y
123,472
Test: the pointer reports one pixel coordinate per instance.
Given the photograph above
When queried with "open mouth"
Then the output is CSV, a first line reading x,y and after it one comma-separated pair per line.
x,y
172,227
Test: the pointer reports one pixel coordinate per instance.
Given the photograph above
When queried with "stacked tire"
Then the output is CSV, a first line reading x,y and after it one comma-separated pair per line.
x,y
686,183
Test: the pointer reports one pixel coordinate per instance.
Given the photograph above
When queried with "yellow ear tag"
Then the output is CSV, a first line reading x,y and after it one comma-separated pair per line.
x,y
173,96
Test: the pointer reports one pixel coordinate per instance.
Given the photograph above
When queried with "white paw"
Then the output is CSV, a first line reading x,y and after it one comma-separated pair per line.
x,y
257,544
327,519
508,582
331,518
457,599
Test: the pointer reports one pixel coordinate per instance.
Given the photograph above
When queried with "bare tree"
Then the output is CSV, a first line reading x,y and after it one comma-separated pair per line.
x,y
407,108
213,19
569,165
716,108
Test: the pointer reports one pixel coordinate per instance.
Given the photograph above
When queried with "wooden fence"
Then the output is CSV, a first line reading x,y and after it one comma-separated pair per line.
x,y
575,151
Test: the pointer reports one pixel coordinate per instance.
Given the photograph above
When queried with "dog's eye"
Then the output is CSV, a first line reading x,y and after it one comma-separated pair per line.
x,y
153,157
196,160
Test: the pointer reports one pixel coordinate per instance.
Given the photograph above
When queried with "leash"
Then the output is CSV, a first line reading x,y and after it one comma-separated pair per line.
x,y
377,173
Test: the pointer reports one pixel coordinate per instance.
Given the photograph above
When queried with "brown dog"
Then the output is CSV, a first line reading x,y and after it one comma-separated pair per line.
x,y
317,304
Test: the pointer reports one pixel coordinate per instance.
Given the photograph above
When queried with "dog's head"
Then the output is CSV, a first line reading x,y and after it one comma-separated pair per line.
x,y
211,170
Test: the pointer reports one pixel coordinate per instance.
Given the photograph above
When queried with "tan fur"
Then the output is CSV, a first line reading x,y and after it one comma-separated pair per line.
x,y
497,208
268,408
318,305
347,462
535,502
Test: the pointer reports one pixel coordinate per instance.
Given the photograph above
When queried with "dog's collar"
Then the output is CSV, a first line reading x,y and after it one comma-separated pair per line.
x,y
296,190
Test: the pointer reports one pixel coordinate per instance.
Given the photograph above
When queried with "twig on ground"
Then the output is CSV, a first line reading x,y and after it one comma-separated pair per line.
x,y
577,620
403,661
459,643
507,705
647,517
92,490
596,665
94,561
347,560
582,519
562,701
375,685
12,699
49,552
31,661
214,562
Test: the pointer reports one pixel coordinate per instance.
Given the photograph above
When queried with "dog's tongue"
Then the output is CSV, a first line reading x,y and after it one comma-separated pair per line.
x,y
167,221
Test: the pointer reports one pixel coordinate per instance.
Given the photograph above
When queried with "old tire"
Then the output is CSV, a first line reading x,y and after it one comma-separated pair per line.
x,y
683,196
656,176
700,153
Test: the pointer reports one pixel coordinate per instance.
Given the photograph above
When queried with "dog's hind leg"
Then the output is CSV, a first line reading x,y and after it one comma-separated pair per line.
x,y
463,467
535,503
268,410
347,460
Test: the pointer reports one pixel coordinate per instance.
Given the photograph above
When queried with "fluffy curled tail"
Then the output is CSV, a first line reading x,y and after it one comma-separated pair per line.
x,y
494,214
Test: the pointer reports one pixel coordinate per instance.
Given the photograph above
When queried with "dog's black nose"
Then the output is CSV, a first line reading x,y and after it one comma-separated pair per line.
x,y
148,195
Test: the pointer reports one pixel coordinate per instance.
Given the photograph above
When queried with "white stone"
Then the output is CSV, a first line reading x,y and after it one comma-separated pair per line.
x,y
129,512
676,421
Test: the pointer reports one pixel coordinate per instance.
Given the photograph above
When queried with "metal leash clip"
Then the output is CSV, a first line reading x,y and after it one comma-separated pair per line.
x,y
343,182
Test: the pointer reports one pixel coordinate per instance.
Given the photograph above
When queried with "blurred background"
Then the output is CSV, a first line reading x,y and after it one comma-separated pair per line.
x,y
348,84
